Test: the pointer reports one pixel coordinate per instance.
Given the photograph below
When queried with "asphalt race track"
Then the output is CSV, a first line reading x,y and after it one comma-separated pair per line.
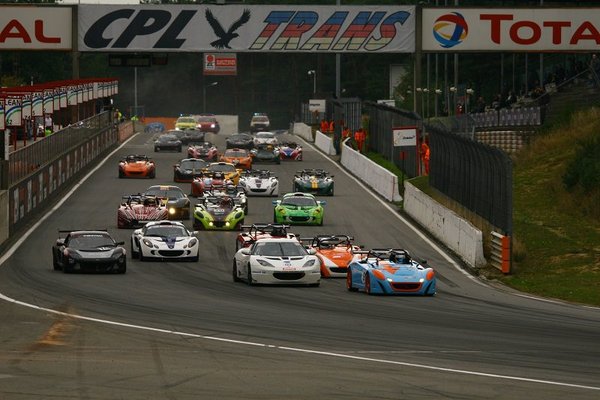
x,y
186,331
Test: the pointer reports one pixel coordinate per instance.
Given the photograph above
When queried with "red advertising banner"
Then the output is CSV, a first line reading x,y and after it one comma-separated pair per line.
x,y
220,64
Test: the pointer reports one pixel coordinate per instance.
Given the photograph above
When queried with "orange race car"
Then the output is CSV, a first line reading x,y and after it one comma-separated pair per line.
x,y
336,252
137,166
239,157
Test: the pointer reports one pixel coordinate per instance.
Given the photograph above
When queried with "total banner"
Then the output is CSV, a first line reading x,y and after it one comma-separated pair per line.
x,y
35,28
511,29
240,28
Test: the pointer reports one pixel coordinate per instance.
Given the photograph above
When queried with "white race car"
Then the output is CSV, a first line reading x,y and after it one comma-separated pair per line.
x,y
165,240
277,261
260,183
265,138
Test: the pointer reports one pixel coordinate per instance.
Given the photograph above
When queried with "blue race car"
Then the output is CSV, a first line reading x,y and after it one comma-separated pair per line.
x,y
390,271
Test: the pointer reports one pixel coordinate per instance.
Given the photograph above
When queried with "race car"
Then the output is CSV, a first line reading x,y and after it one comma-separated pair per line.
x,y
265,153
265,138
290,151
203,184
276,261
167,141
259,122
259,183
189,136
390,271
208,123
173,198
315,181
218,213
137,210
137,166
164,240
235,192
239,157
185,122
228,169
239,141
298,209
88,250
205,151
251,233
335,253
188,169
154,127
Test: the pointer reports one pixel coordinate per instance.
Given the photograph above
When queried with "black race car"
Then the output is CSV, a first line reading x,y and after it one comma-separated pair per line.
x,y
240,141
167,141
173,197
266,153
205,150
88,250
188,169
315,181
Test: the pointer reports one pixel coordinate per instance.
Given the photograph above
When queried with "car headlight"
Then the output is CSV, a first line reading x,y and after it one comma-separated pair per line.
x,y
310,263
274,184
147,243
191,243
172,210
122,259
238,215
264,263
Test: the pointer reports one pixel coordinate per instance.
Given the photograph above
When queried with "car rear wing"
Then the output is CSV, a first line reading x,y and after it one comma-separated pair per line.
x,y
265,227
62,233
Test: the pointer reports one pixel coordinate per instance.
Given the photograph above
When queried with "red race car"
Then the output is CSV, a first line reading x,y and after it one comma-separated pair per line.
x,y
205,151
136,210
208,181
137,166
208,123
251,233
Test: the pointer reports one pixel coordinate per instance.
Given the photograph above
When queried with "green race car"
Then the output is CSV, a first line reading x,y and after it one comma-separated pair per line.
x,y
218,213
298,209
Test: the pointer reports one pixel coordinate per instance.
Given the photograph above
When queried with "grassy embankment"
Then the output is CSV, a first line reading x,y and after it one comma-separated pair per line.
x,y
556,241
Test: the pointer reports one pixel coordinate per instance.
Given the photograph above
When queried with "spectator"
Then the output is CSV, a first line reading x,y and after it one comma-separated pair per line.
x,y
359,137
480,105
345,133
48,124
424,153
511,99
331,127
324,126
497,102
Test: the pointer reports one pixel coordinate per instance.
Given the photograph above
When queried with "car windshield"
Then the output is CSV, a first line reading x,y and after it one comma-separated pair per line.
x,y
279,249
167,138
265,135
239,137
236,153
193,164
299,201
90,241
166,231
260,119
186,120
171,194
221,168
136,158
207,119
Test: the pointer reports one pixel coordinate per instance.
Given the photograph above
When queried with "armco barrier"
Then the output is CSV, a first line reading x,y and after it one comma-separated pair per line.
x,y
456,233
4,225
324,143
380,179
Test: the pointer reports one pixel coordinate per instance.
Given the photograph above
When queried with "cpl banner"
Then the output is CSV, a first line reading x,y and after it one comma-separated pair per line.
x,y
239,28
511,29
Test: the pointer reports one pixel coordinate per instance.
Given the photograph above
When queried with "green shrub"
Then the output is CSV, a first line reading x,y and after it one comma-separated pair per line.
x,y
584,169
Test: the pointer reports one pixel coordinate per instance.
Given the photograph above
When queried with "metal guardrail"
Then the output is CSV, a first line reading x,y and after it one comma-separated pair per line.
x,y
26,160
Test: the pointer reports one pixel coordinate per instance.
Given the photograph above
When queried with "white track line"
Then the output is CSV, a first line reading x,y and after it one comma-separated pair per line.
x,y
13,248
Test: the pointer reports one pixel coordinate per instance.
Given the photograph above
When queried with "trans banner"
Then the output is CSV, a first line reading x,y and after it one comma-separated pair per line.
x,y
239,28
509,29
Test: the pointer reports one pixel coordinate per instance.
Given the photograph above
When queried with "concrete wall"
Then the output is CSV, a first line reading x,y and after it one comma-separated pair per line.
x,y
378,178
324,143
456,233
303,130
4,224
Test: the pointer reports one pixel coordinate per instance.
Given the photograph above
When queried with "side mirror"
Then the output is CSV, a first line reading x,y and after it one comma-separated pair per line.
x,y
60,242
275,202
245,251
322,202
312,252
120,243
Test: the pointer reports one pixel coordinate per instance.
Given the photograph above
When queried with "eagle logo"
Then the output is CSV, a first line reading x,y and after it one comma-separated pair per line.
x,y
225,37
